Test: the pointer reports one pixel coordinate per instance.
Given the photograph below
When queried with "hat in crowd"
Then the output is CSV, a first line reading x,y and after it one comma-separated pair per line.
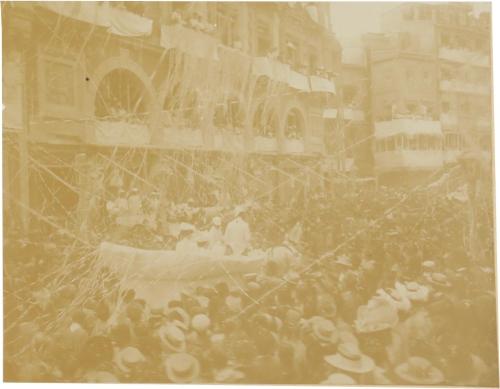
x,y
428,264
438,279
179,317
379,314
413,290
349,358
217,221
337,379
324,330
173,337
100,377
135,190
419,371
229,375
182,368
128,358
344,260
200,322
396,298
186,227
239,210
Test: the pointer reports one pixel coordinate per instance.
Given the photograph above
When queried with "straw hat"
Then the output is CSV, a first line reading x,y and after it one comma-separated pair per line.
x,y
179,317
324,330
339,379
186,227
173,337
438,279
200,322
229,375
429,264
182,368
379,314
414,290
129,357
419,371
396,298
344,260
349,358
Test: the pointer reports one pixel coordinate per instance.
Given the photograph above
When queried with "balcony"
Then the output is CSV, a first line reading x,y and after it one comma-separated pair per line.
x,y
464,56
293,146
263,144
114,133
448,120
229,141
457,86
356,115
407,126
182,138
408,160
280,72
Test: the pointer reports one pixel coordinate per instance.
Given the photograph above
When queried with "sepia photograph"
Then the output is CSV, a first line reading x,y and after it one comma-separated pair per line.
x,y
260,193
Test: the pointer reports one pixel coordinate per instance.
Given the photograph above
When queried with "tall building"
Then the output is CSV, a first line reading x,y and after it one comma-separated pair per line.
x,y
195,96
430,85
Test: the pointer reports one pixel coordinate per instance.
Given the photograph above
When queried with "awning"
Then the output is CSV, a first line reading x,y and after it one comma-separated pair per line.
x,y
118,21
275,70
195,43
319,84
122,22
298,81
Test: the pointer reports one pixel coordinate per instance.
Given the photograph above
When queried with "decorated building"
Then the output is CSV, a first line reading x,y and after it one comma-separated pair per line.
x,y
188,98
430,86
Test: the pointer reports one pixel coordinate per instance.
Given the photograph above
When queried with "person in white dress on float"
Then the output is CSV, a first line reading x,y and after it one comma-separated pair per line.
x,y
237,235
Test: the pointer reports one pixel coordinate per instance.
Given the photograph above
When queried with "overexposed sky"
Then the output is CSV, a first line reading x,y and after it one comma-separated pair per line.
x,y
352,19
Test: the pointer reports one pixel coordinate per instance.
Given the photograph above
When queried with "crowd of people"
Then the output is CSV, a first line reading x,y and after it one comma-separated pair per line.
x,y
385,292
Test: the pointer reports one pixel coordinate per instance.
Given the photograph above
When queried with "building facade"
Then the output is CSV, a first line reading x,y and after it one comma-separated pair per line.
x,y
430,85
188,94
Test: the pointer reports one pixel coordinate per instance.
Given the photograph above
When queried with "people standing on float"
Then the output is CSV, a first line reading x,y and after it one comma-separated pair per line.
x,y
237,235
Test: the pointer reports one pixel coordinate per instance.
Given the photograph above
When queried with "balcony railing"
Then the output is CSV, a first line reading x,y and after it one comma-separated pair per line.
x,y
293,146
464,56
117,133
464,87
263,144
353,114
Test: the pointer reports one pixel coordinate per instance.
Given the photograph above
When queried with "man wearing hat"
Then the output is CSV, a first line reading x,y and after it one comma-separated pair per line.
x,y
237,235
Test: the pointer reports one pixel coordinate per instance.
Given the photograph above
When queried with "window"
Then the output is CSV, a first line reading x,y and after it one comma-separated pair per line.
x,y
263,38
408,13
445,39
292,52
227,25
391,143
413,143
60,85
399,142
424,12
313,62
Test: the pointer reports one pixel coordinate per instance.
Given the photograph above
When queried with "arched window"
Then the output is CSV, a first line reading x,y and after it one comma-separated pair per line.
x,y
121,96
295,126
265,121
230,115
